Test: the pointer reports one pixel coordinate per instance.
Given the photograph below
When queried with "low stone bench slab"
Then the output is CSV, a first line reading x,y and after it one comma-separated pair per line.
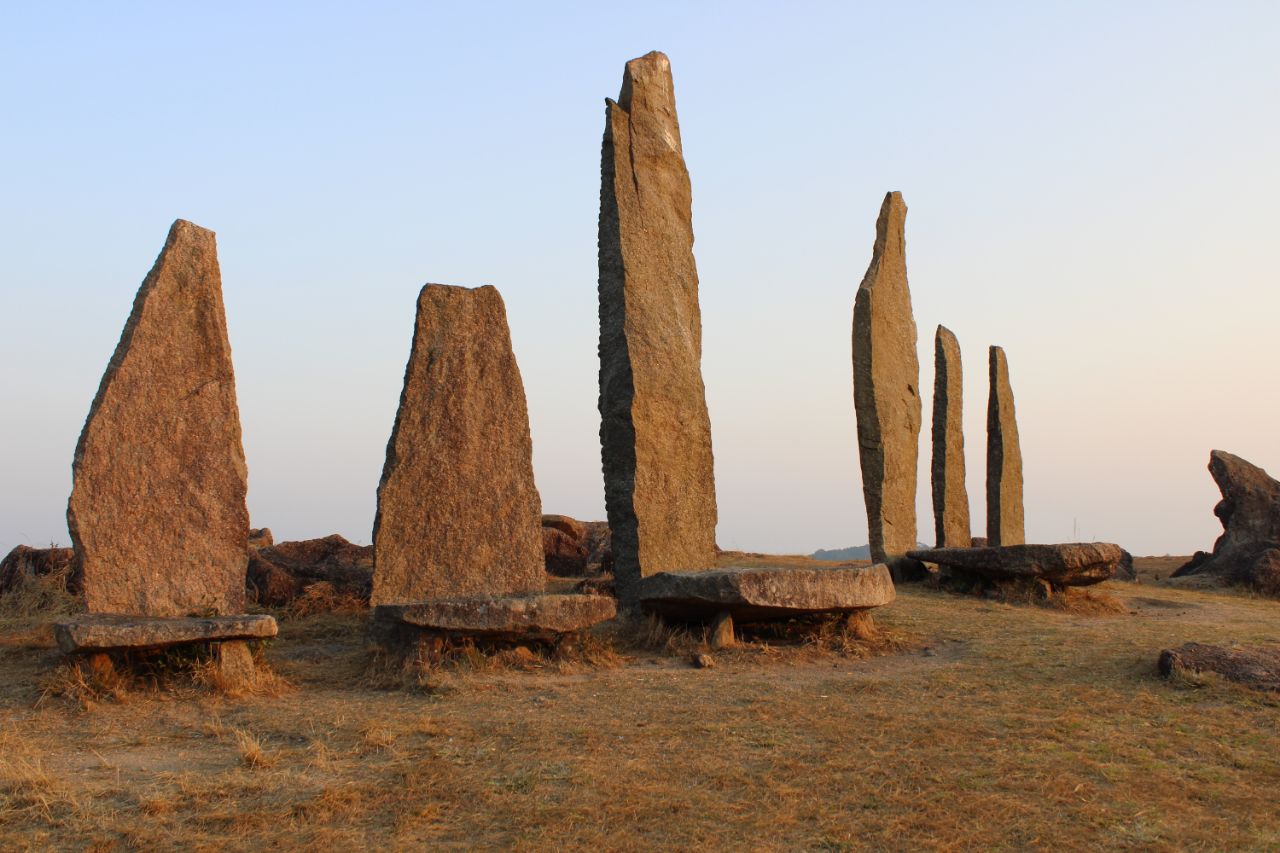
x,y
1078,564
516,617
104,632
761,594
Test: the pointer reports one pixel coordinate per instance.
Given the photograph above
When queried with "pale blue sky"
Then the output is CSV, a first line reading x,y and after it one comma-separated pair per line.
x,y
1093,186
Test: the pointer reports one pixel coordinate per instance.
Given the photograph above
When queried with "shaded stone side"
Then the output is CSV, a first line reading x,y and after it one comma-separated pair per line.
x,y
157,511
458,512
1005,524
655,433
950,495
886,380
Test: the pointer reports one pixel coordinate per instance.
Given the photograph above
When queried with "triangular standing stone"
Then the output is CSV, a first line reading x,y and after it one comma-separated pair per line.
x,y
157,512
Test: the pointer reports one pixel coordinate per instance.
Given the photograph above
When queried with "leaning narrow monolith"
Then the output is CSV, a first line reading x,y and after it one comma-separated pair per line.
x,y
1004,459
950,496
458,512
655,434
157,512
886,378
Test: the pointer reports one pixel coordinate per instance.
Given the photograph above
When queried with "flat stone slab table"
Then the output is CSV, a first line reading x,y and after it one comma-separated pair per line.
x,y
764,594
1076,564
519,617
92,636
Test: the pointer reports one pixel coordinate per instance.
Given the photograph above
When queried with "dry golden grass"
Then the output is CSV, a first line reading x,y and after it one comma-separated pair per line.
x,y
980,725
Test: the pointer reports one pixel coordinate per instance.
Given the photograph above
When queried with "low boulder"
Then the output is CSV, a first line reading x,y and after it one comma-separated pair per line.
x,y
24,563
1248,551
1079,564
260,537
280,573
1257,667
565,556
573,548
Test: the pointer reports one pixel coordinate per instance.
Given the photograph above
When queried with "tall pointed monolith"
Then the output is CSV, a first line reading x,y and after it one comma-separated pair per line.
x,y
1005,524
886,379
157,512
950,496
655,433
458,513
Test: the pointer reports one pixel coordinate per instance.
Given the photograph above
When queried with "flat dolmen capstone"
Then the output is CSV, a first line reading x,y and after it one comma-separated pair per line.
x,y
762,594
1078,564
98,632
510,617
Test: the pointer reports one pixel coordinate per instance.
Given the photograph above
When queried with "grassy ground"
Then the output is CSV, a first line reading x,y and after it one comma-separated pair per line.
x,y
992,726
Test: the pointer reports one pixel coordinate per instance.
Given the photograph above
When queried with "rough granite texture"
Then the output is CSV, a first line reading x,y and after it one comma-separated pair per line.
x,y
761,594
886,382
1248,551
516,616
655,434
99,632
950,495
157,512
1077,564
458,512
1004,459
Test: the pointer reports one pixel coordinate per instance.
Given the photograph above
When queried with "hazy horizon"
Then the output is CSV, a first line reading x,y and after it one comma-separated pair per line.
x,y
1095,190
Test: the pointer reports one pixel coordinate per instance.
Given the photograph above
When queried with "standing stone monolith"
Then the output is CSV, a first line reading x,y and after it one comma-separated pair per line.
x,y
655,434
950,496
157,512
886,379
1004,459
458,513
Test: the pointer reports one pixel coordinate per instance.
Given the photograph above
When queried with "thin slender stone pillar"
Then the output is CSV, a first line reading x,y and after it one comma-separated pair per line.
x,y
886,381
655,434
950,496
1005,524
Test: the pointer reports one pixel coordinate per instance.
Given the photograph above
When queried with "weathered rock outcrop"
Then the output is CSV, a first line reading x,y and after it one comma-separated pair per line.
x,y
950,495
458,512
157,513
1005,524
25,563
280,573
1248,551
886,383
1257,667
655,433
1079,564
763,594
